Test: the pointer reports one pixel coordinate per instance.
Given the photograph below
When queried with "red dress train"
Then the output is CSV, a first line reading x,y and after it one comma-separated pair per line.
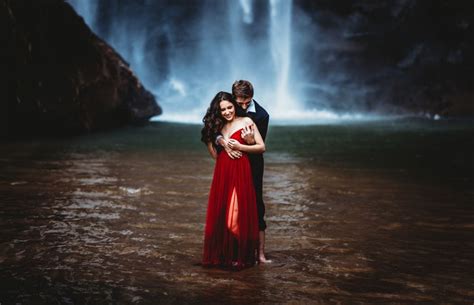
x,y
231,233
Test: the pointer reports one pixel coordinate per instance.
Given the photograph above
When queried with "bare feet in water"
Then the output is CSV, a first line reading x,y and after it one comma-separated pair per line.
x,y
261,249
263,260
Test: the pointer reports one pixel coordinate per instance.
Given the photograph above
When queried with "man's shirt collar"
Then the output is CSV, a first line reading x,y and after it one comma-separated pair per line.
x,y
251,107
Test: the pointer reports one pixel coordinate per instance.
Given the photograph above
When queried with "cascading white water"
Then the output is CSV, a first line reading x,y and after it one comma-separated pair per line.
x,y
185,61
280,41
230,45
247,8
240,16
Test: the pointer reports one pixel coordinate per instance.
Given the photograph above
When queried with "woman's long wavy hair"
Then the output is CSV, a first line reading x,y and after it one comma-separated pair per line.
x,y
213,120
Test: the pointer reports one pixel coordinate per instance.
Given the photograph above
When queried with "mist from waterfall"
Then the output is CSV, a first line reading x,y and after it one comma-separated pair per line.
x,y
186,53
280,41
88,10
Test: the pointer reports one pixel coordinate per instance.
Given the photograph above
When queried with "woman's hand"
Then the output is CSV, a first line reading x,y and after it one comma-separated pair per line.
x,y
233,154
233,144
248,134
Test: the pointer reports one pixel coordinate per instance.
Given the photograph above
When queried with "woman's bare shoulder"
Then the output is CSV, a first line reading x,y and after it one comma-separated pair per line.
x,y
248,121
244,120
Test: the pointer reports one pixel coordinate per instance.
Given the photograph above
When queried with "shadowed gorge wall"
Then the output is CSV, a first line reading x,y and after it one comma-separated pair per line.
x,y
396,54
60,77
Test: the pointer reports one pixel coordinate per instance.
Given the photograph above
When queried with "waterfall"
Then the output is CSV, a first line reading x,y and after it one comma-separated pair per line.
x,y
247,9
185,53
267,63
280,42
230,41
240,16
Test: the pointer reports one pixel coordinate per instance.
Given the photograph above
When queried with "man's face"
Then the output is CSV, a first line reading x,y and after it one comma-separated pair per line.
x,y
243,102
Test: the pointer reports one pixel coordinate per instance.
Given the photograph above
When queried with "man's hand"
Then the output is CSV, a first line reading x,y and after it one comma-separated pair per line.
x,y
248,134
234,144
232,152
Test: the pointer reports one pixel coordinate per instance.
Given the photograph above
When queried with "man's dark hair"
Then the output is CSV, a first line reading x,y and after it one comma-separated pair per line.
x,y
242,88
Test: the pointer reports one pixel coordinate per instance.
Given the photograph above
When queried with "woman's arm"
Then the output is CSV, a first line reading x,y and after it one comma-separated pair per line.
x,y
212,150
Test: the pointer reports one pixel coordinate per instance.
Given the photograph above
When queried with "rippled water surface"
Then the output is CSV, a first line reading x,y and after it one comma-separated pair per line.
x,y
357,214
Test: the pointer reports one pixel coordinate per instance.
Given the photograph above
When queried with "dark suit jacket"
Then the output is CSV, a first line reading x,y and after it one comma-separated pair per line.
x,y
261,118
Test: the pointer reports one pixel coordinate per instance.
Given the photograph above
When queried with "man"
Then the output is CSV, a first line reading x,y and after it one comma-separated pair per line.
x,y
242,91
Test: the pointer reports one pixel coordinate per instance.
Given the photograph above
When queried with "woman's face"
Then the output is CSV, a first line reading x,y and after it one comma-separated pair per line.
x,y
227,110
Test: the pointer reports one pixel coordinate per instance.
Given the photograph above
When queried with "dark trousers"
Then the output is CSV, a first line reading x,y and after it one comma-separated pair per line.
x,y
256,163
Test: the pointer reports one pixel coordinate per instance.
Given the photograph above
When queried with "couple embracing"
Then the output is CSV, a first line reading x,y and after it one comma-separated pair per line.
x,y
235,127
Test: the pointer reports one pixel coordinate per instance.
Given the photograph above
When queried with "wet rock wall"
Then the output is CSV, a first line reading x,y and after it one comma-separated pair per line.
x,y
60,78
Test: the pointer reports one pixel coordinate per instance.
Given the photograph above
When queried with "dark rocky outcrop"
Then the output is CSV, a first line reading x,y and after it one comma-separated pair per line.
x,y
414,55
59,77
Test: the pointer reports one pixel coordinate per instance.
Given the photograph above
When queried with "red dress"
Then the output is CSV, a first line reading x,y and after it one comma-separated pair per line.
x,y
231,233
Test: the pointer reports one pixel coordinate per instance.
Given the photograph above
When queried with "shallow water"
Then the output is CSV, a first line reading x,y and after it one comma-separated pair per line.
x,y
365,213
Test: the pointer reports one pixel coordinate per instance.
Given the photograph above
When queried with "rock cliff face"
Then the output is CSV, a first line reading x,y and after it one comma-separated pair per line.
x,y
59,77
412,55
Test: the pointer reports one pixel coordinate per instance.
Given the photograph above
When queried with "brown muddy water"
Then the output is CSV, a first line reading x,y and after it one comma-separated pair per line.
x,y
366,213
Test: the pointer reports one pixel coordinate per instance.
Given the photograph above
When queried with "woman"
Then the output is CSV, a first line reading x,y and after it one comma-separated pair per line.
x,y
231,233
